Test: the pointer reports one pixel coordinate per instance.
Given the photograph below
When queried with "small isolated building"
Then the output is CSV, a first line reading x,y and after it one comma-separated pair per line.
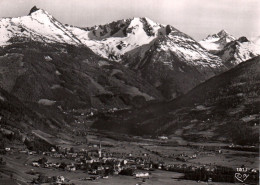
x,y
53,149
60,179
142,175
163,137
7,149
35,164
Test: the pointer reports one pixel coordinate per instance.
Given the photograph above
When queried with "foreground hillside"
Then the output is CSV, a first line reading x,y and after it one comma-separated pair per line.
x,y
226,107
17,122
16,115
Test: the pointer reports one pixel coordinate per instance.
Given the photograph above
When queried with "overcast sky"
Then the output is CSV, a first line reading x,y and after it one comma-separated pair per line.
x,y
198,18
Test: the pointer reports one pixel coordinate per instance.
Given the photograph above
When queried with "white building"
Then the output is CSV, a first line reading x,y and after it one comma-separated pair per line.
x,y
142,175
163,137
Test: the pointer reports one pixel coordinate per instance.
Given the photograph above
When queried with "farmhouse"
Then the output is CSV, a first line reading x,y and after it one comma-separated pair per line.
x,y
163,137
35,164
142,175
60,179
70,167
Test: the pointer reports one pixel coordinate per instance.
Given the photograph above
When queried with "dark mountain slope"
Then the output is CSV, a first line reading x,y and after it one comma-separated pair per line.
x,y
225,107
18,121
15,114
64,77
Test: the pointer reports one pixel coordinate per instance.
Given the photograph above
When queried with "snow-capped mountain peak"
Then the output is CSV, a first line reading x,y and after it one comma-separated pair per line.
x,y
113,40
231,50
144,24
223,33
217,42
39,25
33,9
239,51
40,14
220,35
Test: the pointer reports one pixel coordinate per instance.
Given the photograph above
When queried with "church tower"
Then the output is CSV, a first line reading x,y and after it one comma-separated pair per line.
x,y
100,150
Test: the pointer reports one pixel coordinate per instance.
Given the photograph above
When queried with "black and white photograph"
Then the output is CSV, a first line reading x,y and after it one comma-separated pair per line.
x,y
129,92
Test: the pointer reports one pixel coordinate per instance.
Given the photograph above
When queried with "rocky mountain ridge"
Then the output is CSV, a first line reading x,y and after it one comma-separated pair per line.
x,y
128,42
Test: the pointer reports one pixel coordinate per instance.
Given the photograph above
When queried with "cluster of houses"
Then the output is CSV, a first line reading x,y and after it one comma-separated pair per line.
x,y
55,180
97,163
184,167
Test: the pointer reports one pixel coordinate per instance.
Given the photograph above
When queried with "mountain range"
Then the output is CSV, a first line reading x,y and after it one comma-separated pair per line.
x,y
58,70
231,50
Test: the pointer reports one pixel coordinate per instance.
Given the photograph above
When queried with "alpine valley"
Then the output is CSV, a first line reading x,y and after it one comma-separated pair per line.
x,y
141,87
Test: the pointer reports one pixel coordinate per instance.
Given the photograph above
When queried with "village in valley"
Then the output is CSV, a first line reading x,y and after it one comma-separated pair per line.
x,y
130,160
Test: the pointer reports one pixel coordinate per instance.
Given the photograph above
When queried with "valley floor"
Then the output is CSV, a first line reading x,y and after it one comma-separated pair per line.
x,y
19,168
